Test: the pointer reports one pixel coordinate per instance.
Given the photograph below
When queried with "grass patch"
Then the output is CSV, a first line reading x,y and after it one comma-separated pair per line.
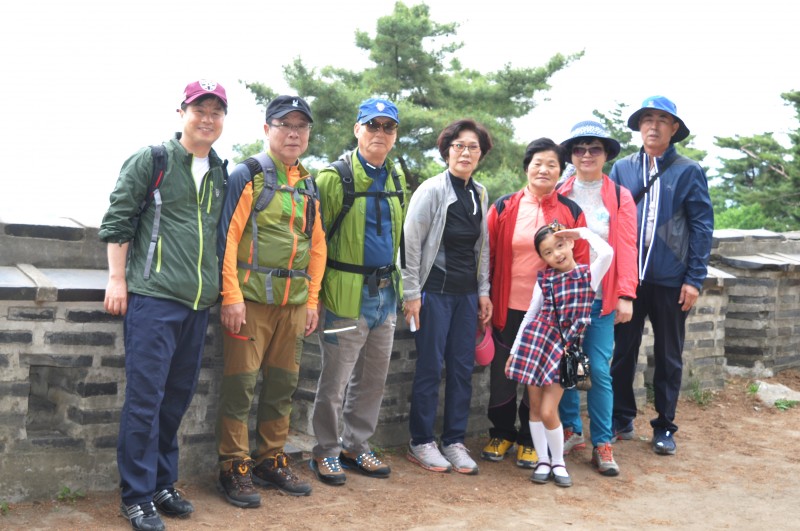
x,y
4,508
752,388
702,397
782,404
650,393
66,494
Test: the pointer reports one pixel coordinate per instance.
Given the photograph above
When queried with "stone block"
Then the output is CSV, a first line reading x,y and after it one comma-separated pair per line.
x,y
93,416
116,361
91,316
18,389
55,360
25,313
105,441
22,337
92,339
87,389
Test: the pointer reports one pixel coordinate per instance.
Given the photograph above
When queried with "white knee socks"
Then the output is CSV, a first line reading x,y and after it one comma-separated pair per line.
x,y
555,440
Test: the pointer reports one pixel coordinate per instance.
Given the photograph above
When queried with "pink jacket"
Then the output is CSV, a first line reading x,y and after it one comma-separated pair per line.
x,y
622,276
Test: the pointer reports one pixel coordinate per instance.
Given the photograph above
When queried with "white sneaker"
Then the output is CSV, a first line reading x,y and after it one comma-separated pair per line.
x,y
573,441
428,456
458,455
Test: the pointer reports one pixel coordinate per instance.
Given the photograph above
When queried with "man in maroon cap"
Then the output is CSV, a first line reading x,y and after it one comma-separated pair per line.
x,y
163,276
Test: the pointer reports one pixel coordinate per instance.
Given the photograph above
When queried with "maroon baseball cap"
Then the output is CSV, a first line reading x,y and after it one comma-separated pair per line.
x,y
202,87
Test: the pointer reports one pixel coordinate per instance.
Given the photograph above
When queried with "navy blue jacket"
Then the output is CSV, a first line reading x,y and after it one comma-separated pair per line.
x,y
681,243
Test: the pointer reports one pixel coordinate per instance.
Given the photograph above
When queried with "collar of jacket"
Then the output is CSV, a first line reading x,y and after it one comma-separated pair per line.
x,y
669,155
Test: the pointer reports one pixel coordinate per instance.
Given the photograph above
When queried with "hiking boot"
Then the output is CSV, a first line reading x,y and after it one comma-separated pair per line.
x,y
142,516
496,449
170,503
663,443
366,463
429,457
274,472
526,456
328,470
458,455
603,459
237,484
573,441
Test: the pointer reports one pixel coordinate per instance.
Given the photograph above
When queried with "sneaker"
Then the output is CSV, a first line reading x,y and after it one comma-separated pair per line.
x,y
170,503
496,449
429,457
142,516
274,472
458,455
328,470
663,443
603,459
573,441
237,484
366,463
526,457
622,434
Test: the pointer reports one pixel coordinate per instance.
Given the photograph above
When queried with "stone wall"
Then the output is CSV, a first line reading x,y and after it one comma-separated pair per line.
x,y
62,378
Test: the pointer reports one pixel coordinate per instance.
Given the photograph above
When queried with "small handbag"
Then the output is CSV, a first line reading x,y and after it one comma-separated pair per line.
x,y
574,369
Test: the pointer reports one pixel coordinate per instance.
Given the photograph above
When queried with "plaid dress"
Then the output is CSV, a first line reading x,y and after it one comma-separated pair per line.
x,y
536,360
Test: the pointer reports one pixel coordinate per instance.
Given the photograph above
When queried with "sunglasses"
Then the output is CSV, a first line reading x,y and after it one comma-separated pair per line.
x,y
388,127
594,151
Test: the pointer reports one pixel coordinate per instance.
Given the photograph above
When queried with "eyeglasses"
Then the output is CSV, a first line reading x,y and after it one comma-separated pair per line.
x,y
459,148
594,151
294,128
389,128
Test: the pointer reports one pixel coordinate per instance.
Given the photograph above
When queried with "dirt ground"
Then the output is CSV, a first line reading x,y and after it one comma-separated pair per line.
x,y
737,467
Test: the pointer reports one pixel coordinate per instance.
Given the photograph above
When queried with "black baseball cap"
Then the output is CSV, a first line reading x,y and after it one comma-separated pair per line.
x,y
283,105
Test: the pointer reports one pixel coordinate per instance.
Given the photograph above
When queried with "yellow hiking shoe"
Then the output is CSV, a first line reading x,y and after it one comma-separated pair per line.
x,y
526,457
496,449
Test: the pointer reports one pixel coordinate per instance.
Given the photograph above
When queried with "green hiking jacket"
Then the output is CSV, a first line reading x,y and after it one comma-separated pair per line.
x,y
185,266
341,291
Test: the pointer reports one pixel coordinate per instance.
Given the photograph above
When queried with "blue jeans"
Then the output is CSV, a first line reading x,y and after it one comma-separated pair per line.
x,y
598,344
446,337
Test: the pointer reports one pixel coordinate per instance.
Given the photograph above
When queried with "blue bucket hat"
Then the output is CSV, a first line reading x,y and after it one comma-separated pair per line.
x,y
374,107
662,104
590,129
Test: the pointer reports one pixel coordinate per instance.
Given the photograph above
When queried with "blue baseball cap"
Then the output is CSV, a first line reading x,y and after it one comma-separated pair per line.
x,y
591,129
374,107
662,104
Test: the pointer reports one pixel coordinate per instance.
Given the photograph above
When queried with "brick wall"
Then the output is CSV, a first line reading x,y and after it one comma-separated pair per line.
x,y
62,378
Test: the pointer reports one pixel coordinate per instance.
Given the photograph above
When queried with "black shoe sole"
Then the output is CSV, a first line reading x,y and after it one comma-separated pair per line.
x,y
324,479
267,485
350,464
238,503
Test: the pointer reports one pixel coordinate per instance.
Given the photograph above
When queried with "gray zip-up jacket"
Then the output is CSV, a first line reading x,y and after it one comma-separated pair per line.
x,y
424,228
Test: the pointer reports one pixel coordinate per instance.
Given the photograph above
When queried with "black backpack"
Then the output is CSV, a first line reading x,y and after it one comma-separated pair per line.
x,y
153,195
344,167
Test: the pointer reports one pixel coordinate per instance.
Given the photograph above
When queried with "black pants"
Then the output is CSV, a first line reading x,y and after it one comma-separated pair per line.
x,y
503,410
660,305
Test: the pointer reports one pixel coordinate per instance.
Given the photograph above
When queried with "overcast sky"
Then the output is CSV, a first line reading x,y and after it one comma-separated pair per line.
x,y
87,83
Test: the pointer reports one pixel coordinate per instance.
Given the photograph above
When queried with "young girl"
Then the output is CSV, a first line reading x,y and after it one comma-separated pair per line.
x,y
538,347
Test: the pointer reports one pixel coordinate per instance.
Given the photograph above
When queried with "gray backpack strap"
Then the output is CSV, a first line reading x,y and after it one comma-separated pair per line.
x,y
159,154
262,163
